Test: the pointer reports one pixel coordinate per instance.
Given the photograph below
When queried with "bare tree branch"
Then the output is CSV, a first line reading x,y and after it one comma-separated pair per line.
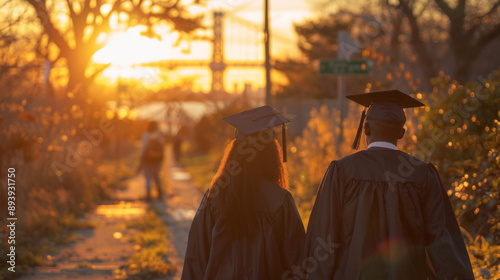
x,y
97,72
417,42
70,8
476,23
86,4
49,28
79,21
487,37
461,6
445,7
175,4
397,24
493,8
477,20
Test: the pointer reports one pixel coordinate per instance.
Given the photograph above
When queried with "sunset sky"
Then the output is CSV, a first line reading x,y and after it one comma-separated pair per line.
x,y
241,43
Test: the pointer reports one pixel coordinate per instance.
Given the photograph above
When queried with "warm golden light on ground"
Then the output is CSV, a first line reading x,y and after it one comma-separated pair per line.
x,y
121,209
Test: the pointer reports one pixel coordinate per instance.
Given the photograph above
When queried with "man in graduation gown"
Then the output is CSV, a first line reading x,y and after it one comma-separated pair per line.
x,y
383,214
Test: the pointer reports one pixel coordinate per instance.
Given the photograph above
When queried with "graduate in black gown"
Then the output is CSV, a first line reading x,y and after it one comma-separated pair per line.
x,y
247,226
383,214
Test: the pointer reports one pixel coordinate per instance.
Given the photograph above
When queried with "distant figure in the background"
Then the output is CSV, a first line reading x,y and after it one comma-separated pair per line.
x,y
152,157
176,148
182,134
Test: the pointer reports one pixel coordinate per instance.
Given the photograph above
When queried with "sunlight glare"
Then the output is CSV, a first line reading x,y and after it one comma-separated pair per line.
x,y
105,9
129,47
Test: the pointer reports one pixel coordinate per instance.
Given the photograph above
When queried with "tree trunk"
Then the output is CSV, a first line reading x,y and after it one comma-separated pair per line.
x,y
425,59
426,64
465,62
76,78
77,64
463,70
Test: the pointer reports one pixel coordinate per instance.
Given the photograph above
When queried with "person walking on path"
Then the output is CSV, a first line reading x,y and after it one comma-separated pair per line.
x,y
177,141
383,213
152,157
247,225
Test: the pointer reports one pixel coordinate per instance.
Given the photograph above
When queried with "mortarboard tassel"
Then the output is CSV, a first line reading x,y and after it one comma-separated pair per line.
x,y
283,135
357,139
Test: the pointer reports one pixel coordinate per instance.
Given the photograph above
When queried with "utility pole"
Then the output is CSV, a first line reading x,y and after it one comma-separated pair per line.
x,y
217,65
343,38
267,53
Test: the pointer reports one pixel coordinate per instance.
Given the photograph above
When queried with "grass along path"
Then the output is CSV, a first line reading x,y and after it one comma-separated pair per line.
x,y
105,250
202,168
99,253
151,257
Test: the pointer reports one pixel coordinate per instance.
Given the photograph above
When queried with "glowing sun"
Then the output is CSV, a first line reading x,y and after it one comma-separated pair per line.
x,y
130,47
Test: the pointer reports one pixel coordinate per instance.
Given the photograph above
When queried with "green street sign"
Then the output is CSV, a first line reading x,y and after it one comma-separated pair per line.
x,y
344,67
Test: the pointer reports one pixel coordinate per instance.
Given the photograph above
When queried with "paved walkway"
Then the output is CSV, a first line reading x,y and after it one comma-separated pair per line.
x,y
182,201
102,252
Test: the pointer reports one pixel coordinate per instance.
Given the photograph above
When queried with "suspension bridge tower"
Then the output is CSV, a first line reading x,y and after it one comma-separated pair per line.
x,y
217,64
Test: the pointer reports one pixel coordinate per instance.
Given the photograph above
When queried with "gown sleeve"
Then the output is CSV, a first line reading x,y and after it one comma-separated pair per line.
x,y
444,242
199,242
292,233
322,238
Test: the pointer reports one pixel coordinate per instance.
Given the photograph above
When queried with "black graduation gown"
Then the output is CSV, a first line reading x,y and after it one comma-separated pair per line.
x,y
275,248
383,214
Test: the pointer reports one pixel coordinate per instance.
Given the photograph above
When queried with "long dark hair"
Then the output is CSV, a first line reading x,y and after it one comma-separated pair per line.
x,y
242,168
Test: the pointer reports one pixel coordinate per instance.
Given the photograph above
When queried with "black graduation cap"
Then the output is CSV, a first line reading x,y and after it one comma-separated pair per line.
x,y
386,106
254,120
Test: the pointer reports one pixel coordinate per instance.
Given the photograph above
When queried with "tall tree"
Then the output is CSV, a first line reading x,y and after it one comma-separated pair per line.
x,y
317,39
458,37
90,19
472,25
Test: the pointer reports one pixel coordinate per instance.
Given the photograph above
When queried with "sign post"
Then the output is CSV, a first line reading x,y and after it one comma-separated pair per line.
x,y
344,67
341,67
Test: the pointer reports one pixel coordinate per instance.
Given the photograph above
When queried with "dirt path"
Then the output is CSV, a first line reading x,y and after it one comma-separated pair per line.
x,y
101,252
179,209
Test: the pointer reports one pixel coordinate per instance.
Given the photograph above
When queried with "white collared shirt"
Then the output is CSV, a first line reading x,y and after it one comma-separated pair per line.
x,y
382,144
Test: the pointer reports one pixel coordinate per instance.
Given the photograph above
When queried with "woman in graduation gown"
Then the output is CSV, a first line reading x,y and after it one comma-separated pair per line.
x,y
247,225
